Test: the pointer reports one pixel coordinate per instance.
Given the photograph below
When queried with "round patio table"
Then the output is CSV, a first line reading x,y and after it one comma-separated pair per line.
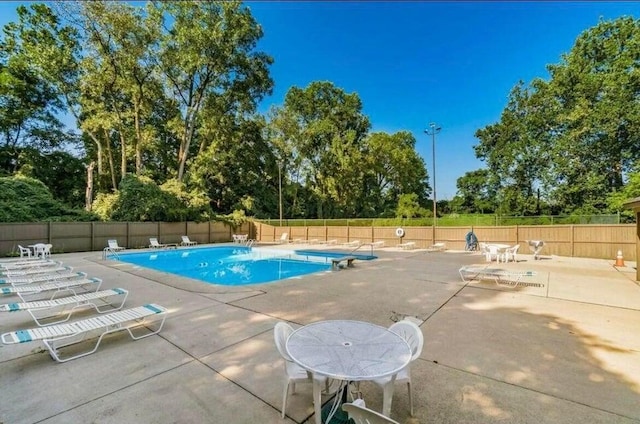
x,y
347,350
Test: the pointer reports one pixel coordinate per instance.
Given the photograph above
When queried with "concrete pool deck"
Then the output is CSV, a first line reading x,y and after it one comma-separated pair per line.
x,y
566,352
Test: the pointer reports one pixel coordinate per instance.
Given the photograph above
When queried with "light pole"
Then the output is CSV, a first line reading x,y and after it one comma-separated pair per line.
x,y
280,188
432,131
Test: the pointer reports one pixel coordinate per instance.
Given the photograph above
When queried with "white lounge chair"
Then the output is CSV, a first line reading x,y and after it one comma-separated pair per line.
x,y
155,244
57,269
407,245
437,247
112,248
50,290
187,242
41,278
354,243
284,238
501,276
58,336
28,264
42,311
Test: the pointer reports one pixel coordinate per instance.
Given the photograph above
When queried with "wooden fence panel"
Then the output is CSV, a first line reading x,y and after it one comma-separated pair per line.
x,y
386,234
197,231
24,234
341,234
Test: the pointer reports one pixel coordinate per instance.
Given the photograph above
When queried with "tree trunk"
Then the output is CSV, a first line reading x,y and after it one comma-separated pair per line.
x,y
123,156
89,192
112,166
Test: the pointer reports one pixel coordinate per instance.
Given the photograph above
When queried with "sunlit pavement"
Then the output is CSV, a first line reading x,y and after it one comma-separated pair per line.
x,y
563,350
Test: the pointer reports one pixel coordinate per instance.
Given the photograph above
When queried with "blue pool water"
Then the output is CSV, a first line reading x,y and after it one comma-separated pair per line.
x,y
234,266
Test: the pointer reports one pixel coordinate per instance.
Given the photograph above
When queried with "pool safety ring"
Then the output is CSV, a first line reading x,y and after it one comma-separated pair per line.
x,y
399,232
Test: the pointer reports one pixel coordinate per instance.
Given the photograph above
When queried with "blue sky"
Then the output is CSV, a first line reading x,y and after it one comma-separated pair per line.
x,y
412,63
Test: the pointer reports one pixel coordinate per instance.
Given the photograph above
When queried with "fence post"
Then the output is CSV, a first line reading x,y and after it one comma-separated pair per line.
x,y
572,240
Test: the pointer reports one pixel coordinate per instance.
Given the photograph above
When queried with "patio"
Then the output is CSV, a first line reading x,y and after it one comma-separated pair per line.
x,y
567,352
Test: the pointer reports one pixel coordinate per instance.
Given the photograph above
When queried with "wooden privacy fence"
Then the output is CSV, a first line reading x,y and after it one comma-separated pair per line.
x,y
90,236
586,241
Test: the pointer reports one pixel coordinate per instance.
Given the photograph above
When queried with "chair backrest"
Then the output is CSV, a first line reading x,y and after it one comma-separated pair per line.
x,y
153,241
113,244
412,334
359,413
281,332
284,237
186,239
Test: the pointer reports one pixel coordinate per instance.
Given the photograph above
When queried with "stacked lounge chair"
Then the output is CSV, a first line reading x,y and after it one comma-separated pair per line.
x,y
51,297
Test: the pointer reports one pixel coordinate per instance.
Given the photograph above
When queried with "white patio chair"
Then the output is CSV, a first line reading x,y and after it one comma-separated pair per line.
x,y
413,335
492,253
284,238
294,373
24,252
360,414
510,254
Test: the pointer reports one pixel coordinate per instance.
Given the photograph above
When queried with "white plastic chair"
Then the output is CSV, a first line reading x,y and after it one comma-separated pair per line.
x,y
510,254
294,373
413,335
360,414
24,252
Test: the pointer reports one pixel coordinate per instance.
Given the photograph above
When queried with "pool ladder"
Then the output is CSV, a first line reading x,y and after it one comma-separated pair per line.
x,y
371,245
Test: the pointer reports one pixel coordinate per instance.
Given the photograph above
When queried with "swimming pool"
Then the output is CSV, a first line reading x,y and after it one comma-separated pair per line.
x,y
235,266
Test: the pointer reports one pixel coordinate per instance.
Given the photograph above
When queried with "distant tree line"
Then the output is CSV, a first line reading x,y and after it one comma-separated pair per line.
x,y
164,97
569,144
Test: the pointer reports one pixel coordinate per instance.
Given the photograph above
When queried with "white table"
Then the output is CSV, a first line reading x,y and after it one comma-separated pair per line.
x,y
347,350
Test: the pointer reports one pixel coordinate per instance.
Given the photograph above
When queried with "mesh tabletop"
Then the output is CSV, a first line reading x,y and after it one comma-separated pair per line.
x,y
348,350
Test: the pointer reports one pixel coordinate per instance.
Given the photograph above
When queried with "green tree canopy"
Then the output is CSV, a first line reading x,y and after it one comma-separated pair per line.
x,y
26,199
564,144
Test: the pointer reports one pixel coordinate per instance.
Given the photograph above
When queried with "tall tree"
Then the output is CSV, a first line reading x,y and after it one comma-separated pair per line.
x,y
394,168
571,138
208,51
323,129
29,100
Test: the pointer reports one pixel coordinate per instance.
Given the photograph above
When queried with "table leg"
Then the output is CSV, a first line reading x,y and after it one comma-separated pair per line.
x,y
317,402
387,396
